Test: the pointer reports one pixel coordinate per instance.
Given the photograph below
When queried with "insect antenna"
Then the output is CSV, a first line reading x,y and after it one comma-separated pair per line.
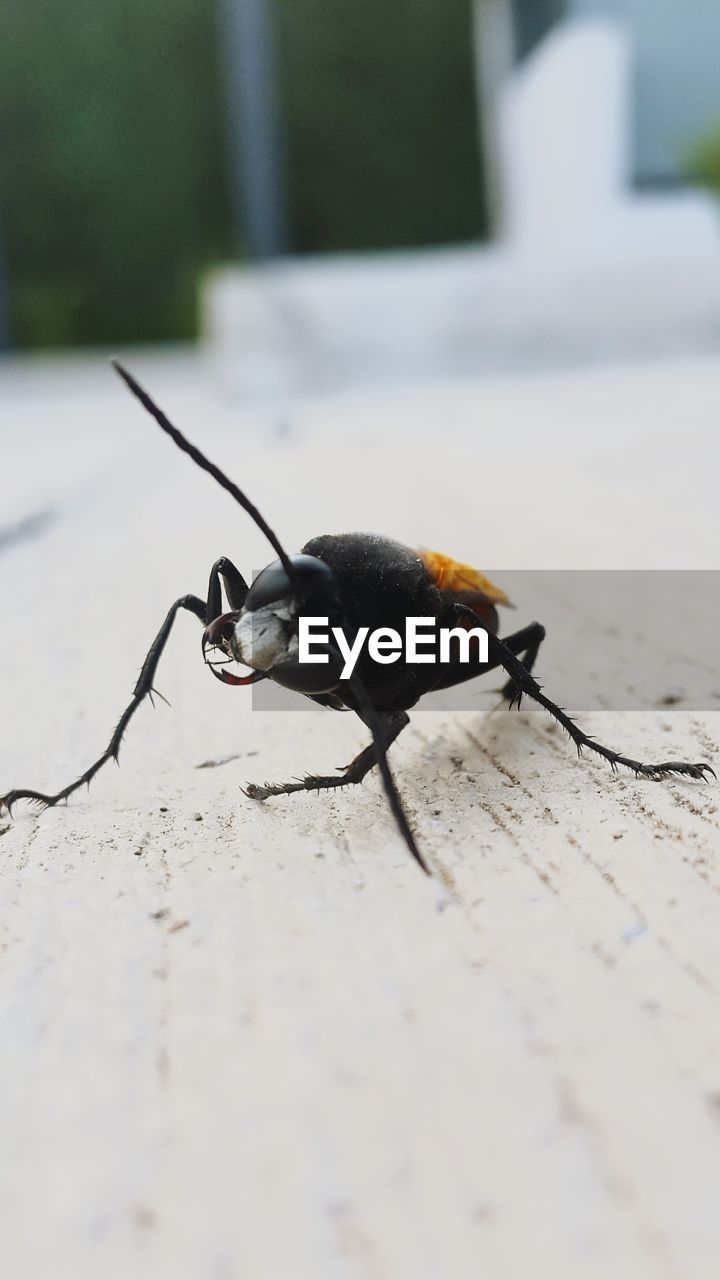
x,y
193,452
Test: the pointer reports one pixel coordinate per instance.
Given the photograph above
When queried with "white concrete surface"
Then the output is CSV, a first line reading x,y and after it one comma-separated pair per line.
x,y
358,322
253,1042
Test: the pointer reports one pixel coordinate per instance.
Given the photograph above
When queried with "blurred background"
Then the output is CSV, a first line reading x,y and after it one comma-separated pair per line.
x,y
140,141
326,194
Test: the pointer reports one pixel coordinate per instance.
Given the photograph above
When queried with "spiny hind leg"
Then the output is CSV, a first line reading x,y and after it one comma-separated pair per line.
x,y
501,654
510,691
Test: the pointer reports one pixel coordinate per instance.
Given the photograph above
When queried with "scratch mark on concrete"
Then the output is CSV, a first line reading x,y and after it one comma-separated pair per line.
x,y
23,530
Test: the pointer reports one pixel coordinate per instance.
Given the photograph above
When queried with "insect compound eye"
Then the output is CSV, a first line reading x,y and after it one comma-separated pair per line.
x,y
270,586
315,585
266,635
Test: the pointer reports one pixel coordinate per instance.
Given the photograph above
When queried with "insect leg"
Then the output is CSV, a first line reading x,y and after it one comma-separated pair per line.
x,y
527,640
393,724
385,727
143,689
510,691
375,723
236,588
500,654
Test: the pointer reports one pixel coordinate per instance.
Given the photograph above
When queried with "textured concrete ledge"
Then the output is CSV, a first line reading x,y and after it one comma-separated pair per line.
x,y
252,1041
312,326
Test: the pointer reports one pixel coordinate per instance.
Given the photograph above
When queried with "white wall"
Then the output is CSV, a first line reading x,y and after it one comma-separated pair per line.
x,y
676,83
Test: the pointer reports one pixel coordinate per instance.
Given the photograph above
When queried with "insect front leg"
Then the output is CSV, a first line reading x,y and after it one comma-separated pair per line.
x,y
142,690
236,588
205,611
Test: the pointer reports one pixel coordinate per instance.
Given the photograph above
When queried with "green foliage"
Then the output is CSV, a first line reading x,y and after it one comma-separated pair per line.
x,y
113,152
703,162
380,118
111,167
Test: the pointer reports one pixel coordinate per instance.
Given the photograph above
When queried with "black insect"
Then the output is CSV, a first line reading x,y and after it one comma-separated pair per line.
x,y
353,580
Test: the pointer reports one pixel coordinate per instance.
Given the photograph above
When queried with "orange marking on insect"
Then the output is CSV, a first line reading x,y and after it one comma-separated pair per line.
x,y
451,575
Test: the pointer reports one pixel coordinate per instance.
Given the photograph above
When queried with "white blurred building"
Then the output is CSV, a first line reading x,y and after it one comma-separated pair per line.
x,y
594,98
675,92
588,110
